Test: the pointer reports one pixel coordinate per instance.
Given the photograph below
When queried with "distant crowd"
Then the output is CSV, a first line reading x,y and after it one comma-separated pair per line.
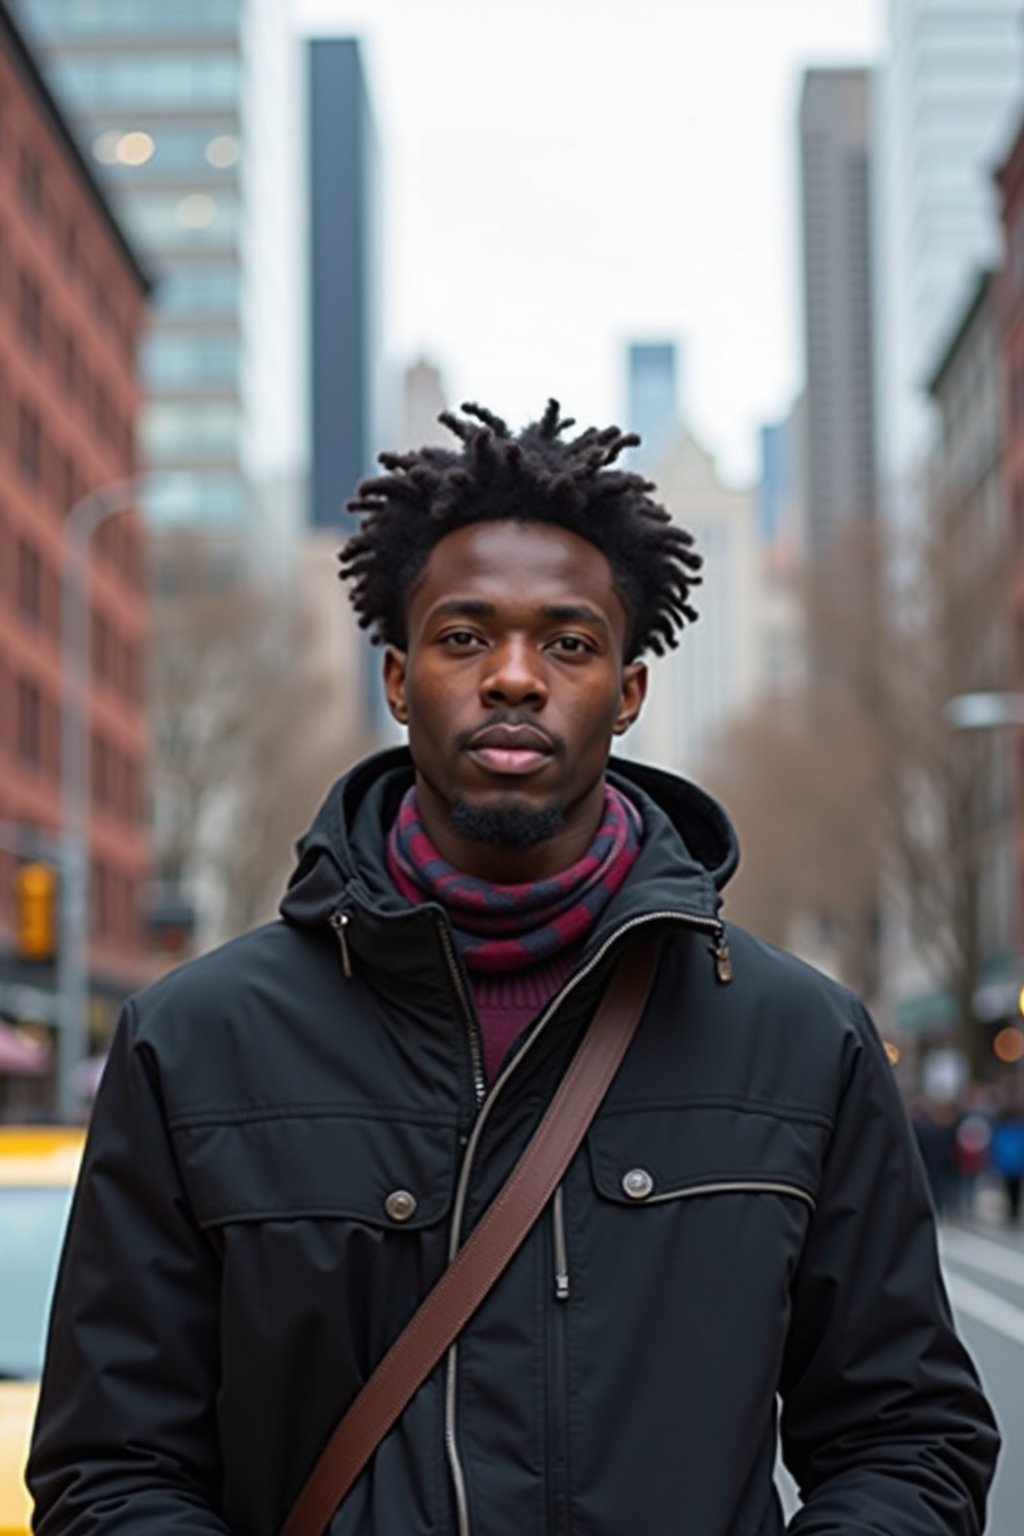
x,y
960,1141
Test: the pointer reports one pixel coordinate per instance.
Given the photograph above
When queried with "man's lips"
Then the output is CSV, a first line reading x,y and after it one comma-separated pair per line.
x,y
510,749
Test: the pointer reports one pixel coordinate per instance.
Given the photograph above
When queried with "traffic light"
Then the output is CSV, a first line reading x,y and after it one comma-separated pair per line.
x,y
35,902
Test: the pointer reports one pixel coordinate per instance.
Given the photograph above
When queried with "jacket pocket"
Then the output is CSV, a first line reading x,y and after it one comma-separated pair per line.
x,y
300,1164
652,1156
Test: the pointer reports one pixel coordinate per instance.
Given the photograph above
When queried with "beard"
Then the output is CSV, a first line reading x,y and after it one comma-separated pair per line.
x,y
506,826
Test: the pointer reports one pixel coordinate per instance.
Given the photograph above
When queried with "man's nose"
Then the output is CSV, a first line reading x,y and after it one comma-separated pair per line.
x,y
514,674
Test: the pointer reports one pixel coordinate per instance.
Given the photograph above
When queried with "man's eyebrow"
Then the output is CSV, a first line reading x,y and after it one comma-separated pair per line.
x,y
467,607
477,608
574,613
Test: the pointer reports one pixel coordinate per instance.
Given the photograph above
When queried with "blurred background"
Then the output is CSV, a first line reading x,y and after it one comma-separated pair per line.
x,y
245,244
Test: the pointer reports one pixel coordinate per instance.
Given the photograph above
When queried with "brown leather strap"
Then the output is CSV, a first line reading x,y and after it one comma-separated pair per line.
x,y
492,1243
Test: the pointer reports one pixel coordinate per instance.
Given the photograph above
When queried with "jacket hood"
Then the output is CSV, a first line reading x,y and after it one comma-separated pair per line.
x,y
689,849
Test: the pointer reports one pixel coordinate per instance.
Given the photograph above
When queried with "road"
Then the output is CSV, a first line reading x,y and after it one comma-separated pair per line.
x,y
984,1266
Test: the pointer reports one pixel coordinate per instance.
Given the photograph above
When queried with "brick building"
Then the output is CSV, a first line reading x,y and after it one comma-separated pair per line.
x,y
72,302
1010,179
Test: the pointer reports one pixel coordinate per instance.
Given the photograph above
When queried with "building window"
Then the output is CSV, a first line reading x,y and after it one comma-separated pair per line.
x,y
29,722
68,362
30,181
30,443
101,638
30,311
100,904
101,762
69,246
30,582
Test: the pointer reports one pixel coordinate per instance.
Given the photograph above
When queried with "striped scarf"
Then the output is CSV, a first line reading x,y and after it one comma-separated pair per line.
x,y
502,928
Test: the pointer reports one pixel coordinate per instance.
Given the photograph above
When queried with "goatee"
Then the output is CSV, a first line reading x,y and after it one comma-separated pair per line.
x,y
506,826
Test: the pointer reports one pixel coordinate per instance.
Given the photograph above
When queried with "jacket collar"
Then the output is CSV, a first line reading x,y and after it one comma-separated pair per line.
x,y
689,852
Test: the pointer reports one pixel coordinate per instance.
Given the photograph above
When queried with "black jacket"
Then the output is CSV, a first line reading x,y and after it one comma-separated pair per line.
x,y
232,1271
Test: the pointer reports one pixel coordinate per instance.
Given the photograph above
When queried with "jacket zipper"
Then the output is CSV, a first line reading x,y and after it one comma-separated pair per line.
x,y
723,971
561,1251
472,1031
339,921
559,1412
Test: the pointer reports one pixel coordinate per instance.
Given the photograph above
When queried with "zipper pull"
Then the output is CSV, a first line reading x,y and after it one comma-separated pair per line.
x,y
339,921
561,1250
722,958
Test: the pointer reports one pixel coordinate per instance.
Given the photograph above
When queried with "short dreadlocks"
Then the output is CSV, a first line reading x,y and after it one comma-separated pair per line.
x,y
533,476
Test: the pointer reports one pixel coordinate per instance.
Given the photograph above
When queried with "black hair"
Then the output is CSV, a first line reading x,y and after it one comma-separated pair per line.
x,y
535,475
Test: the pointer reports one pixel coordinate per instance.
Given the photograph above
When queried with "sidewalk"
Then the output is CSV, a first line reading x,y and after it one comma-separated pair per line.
x,y
989,1215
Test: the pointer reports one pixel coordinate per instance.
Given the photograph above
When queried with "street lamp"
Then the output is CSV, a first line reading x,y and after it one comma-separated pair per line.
x,y
72,959
989,711
984,711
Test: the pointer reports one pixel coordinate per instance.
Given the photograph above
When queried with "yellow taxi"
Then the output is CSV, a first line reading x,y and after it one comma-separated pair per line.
x,y
38,1168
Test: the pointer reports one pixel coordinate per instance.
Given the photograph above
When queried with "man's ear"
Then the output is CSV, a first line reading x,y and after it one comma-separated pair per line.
x,y
394,684
634,691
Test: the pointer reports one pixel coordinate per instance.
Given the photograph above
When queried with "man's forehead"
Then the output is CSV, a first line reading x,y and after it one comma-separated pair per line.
x,y
491,557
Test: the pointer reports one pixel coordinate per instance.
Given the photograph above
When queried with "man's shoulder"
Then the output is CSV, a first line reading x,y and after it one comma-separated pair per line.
x,y
202,987
784,971
773,986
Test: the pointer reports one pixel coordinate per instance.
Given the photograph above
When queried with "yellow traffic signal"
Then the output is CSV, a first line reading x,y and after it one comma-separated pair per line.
x,y
35,899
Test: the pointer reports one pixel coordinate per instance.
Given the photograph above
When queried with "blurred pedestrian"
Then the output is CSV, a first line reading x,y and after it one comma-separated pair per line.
x,y
971,1156
295,1135
1007,1154
934,1126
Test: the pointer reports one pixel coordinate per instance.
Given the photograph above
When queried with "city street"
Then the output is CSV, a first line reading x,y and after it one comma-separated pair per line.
x,y
985,1274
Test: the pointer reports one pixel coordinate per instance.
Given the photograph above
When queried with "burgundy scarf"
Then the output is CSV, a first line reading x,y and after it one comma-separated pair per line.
x,y
502,928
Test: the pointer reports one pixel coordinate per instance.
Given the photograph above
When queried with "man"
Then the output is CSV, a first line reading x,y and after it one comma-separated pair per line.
x,y
296,1132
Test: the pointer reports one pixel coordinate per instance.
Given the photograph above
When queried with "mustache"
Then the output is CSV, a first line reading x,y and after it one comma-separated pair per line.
x,y
556,743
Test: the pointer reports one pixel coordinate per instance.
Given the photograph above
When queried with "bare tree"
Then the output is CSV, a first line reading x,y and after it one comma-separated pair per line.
x,y
247,734
855,784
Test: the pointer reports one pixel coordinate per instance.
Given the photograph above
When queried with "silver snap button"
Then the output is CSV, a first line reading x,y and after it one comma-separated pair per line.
x,y
400,1205
637,1183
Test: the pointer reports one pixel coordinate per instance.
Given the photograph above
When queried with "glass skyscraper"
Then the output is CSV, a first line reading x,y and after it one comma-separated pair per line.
x,y
949,93
189,112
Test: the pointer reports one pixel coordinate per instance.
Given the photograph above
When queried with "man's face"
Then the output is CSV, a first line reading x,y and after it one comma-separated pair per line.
x,y
512,686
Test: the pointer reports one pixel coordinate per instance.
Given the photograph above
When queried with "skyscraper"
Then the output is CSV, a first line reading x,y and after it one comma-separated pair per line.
x,y
714,672
835,178
949,94
653,393
188,113
344,354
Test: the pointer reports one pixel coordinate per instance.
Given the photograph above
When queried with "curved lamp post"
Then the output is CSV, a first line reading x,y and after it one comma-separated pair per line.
x,y
72,951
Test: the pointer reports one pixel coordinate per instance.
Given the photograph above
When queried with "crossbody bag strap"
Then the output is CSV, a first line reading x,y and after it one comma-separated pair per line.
x,y
460,1290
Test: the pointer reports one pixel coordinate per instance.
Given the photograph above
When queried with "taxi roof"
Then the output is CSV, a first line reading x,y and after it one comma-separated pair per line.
x,y
39,1155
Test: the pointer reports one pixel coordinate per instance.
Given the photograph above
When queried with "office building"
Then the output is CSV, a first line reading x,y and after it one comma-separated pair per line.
x,y
949,92
782,648
654,407
714,672
835,169
344,267
189,112
72,304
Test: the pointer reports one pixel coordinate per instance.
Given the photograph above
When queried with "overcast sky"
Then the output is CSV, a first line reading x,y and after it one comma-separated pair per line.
x,y
561,176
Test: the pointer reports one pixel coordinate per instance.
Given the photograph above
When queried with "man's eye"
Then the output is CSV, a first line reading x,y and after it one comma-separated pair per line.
x,y
573,645
458,639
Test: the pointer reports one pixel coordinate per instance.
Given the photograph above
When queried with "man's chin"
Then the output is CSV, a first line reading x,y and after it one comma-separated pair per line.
x,y
508,823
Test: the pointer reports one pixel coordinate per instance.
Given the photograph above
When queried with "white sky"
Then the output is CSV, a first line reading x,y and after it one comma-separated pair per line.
x,y
561,176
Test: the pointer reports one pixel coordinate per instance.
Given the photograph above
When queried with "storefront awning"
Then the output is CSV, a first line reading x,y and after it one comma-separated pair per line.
x,y
20,1057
